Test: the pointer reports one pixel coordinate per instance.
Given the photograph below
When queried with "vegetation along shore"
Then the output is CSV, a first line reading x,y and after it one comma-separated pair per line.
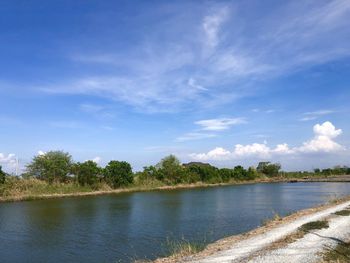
x,y
54,174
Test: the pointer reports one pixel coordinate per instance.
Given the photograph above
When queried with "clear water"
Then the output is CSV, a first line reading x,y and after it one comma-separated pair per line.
x,y
125,227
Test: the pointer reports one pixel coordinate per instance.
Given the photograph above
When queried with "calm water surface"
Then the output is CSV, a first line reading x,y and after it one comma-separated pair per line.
x,y
125,227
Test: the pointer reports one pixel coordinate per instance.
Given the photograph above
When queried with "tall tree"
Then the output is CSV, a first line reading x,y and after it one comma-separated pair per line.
x,y
171,170
118,174
269,169
87,172
53,166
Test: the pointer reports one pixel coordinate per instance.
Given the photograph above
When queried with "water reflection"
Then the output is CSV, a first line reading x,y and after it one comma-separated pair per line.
x,y
136,225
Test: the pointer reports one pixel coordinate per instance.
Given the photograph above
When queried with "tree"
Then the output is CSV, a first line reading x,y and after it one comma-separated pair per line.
x,y
206,172
226,174
252,173
2,176
269,169
53,166
239,173
118,174
170,170
86,172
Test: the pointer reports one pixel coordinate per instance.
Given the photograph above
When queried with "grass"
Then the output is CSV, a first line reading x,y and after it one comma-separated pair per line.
x,y
268,221
343,213
32,188
314,225
339,254
183,248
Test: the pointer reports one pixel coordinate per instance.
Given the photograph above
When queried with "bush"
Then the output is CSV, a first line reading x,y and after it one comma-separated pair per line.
x,y
314,225
118,174
269,169
2,176
87,173
205,171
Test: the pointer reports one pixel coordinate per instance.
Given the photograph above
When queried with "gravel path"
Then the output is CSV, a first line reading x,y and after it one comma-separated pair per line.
x,y
308,248
242,250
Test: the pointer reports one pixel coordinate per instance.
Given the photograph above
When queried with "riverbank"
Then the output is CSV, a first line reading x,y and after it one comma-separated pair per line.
x,y
29,191
283,239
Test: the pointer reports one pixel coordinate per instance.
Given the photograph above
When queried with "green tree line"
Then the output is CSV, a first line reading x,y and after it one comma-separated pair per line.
x,y
58,167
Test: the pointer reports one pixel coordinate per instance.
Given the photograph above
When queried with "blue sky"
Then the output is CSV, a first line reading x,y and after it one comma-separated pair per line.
x,y
225,82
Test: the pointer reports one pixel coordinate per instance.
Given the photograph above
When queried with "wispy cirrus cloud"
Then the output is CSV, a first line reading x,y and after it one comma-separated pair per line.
x,y
322,142
195,136
209,128
66,124
218,54
312,115
219,124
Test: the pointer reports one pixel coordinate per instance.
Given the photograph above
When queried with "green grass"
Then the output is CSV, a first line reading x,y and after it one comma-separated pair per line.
x,y
343,213
314,225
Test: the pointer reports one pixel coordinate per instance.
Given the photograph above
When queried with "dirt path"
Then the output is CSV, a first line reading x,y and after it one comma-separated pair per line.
x,y
272,243
241,251
309,248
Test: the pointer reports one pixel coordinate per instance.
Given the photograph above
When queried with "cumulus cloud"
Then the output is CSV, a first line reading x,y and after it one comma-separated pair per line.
x,y
218,153
219,124
322,142
97,159
41,153
8,161
255,149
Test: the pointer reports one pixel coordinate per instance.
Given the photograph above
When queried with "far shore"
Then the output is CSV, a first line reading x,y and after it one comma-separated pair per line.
x,y
344,178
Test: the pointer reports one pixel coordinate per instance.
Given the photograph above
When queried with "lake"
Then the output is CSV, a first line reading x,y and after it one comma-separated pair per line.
x,y
130,226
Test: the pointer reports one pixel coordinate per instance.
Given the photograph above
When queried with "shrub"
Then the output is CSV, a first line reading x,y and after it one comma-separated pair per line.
x,y
118,174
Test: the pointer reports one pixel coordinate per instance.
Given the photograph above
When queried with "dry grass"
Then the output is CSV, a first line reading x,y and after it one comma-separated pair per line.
x,y
339,254
275,218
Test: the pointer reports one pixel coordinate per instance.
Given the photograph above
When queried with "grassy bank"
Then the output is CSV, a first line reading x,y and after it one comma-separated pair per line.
x,y
31,189
16,189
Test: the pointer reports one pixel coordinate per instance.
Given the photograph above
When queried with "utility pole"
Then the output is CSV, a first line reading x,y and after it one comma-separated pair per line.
x,y
17,165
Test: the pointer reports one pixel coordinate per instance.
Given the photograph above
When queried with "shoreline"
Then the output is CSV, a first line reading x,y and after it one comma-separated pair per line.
x,y
266,239
20,198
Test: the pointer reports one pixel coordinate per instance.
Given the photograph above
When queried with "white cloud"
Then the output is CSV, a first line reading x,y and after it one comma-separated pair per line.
x,y
219,124
283,149
41,153
193,83
327,129
8,161
312,115
255,149
97,159
194,136
171,74
216,154
321,143
212,25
